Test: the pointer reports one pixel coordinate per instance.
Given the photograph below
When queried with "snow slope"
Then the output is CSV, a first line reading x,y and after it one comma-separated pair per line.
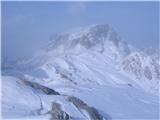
x,y
17,99
94,65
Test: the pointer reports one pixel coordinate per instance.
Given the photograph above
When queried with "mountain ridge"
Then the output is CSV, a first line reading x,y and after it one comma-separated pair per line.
x,y
90,75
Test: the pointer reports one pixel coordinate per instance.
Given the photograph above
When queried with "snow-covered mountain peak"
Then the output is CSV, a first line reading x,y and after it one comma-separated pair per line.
x,y
94,28
100,45
101,38
86,37
83,75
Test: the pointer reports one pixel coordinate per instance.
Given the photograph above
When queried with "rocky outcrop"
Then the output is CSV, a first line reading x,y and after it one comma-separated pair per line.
x,y
142,66
57,113
41,88
92,112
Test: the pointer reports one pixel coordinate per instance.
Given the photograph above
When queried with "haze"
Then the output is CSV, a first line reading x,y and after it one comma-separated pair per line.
x,y
27,26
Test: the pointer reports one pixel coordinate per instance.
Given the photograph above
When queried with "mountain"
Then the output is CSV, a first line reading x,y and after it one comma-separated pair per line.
x,y
95,37
87,74
144,67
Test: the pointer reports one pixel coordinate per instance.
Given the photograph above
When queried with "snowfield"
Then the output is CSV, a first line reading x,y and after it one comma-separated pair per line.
x,y
87,75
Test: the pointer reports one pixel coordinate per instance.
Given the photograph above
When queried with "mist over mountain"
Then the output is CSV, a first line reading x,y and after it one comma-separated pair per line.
x,y
27,26
90,74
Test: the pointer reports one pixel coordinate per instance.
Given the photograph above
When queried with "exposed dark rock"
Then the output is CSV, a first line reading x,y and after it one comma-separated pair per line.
x,y
130,85
93,113
68,78
147,73
57,113
41,88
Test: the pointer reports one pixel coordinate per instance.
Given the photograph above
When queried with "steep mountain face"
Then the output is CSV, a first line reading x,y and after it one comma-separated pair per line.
x,y
96,37
97,69
142,66
145,68
99,42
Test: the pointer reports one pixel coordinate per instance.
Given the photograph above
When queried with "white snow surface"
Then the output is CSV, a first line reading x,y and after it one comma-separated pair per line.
x,y
94,65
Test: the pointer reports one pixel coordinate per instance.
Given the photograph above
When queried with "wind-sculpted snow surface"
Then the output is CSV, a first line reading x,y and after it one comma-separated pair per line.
x,y
106,77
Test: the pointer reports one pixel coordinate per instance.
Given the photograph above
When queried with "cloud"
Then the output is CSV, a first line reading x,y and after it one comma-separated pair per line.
x,y
77,8
17,20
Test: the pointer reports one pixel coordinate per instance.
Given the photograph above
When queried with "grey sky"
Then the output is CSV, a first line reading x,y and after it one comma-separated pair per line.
x,y
26,26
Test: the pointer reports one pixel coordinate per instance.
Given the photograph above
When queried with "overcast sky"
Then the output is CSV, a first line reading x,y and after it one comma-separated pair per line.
x,y
26,26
